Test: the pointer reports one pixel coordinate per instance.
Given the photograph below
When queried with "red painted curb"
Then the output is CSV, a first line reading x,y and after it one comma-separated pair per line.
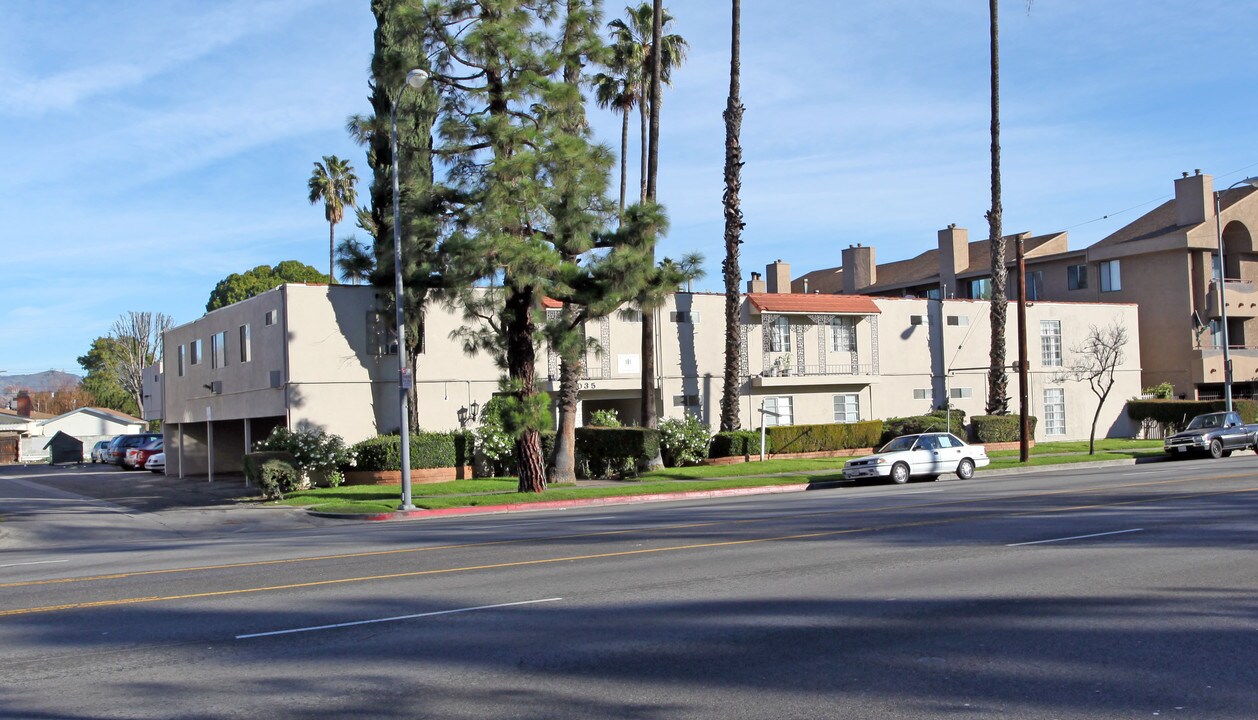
x,y
558,504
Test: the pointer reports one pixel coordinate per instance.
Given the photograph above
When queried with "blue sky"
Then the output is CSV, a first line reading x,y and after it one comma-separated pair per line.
x,y
153,147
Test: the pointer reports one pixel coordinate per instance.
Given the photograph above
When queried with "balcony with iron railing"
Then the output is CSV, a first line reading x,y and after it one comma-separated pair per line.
x,y
1241,297
828,374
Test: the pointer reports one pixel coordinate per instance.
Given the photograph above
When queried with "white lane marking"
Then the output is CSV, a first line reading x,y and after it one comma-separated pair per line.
x,y
1075,537
394,619
921,492
34,562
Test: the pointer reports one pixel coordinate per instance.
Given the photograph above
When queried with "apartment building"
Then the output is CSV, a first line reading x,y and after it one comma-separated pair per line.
x,y
1165,261
319,357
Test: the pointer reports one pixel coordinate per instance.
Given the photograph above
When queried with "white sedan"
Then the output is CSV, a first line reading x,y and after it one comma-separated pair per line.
x,y
156,463
924,455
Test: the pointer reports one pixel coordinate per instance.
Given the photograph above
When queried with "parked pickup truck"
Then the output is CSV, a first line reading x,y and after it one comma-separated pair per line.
x,y
1216,434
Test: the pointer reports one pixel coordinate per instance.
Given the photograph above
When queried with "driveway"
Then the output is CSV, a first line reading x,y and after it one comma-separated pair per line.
x,y
42,506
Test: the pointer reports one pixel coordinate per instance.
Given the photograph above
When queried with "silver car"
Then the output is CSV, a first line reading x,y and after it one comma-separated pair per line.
x,y
98,451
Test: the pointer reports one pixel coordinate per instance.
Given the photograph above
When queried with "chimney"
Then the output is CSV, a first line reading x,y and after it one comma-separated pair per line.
x,y
954,254
1194,199
756,284
859,270
23,401
779,276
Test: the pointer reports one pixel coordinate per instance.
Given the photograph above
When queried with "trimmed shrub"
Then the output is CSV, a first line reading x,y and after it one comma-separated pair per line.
x,y
273,471
818,438
998,428
314,452
1177,413
936,421
428,450
736,443
604,452
684,441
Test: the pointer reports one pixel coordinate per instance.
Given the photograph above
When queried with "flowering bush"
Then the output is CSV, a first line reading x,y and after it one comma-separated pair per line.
x,y
312,451
684,441
604,418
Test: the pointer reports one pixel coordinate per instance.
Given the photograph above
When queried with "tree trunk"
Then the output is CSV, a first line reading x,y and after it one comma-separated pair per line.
x,y
997,381
412,395
521,363
624,160
1095,417
562,465
331,252
649,419
733,231
643,103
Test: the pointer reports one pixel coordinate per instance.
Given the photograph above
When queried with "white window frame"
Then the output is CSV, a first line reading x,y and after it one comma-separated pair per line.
x,y
194,352
780,334
843,335
923,394
1050,343
778,404
1054,411
847,407
960,393
958,320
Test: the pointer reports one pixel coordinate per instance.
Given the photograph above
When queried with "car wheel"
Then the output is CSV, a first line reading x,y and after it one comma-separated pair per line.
x,y
1227,453
1216,449
965,469
899,473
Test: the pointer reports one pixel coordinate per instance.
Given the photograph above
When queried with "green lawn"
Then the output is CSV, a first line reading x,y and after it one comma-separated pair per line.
x,y
501,491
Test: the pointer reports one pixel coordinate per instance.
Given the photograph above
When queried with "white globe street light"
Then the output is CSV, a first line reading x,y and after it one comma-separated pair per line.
x,y
415,79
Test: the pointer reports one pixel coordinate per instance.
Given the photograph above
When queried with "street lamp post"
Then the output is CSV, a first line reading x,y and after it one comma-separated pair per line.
x,y
414,79
1218,225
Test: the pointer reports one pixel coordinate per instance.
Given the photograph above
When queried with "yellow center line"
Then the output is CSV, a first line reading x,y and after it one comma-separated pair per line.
x,y
596,556
601,533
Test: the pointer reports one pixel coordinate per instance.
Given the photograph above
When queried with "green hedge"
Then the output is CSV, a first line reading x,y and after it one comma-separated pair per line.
x,y
936,421
736,443
428,450
817,438
998,428
603,452
1177,413
274,472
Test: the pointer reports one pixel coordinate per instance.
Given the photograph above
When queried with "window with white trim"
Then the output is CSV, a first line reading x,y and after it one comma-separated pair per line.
x,y
1054,411
960,393
1111,276
780,334
782,407
843,335
194,352
847,408
1050,343
959,320
922,394
919,320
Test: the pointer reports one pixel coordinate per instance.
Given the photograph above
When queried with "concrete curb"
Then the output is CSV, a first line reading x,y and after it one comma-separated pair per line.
x,y
560,504
695,495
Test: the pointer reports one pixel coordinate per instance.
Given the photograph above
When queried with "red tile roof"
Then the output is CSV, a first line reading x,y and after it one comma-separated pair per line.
x,y
813,303
551,303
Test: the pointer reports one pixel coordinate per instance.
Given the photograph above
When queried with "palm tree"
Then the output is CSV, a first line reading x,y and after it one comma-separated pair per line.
x,y
618,89
355,261
333,182
997,382
733,226
632,42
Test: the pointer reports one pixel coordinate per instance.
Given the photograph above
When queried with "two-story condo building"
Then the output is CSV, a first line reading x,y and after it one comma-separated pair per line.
x,y
313,356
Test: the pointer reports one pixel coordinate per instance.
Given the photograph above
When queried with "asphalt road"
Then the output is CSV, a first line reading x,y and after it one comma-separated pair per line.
x,y
1124,592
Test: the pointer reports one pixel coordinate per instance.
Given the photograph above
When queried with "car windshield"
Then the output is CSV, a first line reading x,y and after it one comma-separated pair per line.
x,y
899,444
1206,422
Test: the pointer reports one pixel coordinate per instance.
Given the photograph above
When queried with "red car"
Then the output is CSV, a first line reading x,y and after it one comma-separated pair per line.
x,y
138,456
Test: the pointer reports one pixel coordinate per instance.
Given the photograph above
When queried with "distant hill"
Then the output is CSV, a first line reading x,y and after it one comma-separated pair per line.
x,y
37,382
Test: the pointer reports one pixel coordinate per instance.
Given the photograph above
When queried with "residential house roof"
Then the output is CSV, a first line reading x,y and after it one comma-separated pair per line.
x,y
813,303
